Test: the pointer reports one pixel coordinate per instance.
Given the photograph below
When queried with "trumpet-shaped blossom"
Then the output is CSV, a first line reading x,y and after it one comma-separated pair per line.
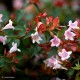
x,y
51,62
1,15
64,54
55,41
14,48
69,35
54,63
9,26
3,39
36,38
73,25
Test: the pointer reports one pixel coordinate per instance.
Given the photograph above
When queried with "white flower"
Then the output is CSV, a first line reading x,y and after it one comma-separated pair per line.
x,y
36,38
3,39
69,35
55,41
64,54
9,26
1,15
73,25
14,48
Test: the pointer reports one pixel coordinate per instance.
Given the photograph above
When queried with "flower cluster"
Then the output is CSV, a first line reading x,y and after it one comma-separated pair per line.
x,y
50,25
3,39
40,36
69,35
63,54
54,63
65,43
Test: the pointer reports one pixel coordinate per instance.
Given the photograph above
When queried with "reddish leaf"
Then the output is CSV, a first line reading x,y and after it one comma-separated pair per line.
x,y
45,46
41,28
16,61
5,51
34,1
55,23
42,14
51,33
48,20
59,3
13,16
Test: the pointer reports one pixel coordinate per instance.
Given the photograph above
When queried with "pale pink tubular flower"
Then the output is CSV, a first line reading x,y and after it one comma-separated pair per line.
x,y
54,63
1,15
36,38
55,41
73,25
69,35
14,48
3,39
9,26
64,54
50,62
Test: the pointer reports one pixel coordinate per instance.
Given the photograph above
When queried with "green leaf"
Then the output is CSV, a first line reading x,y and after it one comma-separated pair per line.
x,y
22,33
6,15
1,49
77,67
34,49
77,76
29,34
47,36
70,72
25,42
53,51
19,15
29,16
6,68
9,32
7,60
61,32
20,27
1,62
